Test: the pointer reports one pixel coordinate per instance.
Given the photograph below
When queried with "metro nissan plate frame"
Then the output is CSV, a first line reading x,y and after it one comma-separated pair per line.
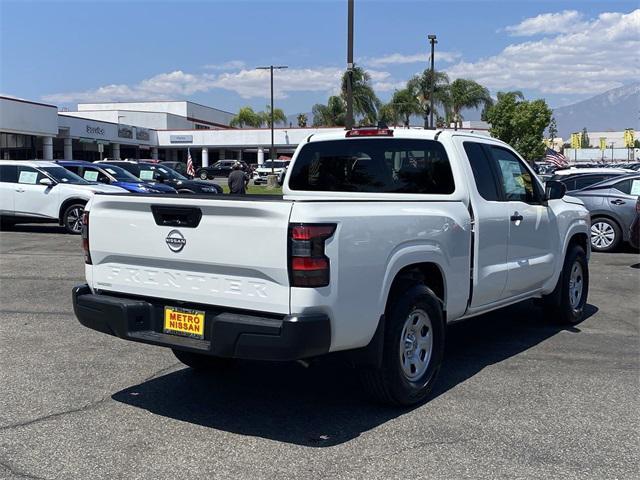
x,y
184,322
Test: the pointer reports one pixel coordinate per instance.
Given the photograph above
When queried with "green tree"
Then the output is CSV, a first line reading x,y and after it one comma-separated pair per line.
x,y
553,130
405,104
246,117
584,139
365,101
389,115
420,87
330,115
302,120
278,116
463,93
520,123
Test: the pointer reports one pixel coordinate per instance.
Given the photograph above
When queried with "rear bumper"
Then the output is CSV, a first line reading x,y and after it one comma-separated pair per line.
x,y
227,334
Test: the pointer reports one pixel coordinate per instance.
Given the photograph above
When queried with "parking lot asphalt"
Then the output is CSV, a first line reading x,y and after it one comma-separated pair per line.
x,y
518,397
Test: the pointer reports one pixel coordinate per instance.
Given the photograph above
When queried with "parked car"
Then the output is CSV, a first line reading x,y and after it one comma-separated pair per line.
x,y
158,174
113,175
381,239
576,179
612,205
45,192
634,231
277,167
180,167
221,168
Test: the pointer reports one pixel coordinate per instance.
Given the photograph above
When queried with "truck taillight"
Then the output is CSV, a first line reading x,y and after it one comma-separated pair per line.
x,y
85,237
308,264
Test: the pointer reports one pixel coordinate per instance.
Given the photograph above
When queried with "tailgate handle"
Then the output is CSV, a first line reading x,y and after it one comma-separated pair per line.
x,y
187,217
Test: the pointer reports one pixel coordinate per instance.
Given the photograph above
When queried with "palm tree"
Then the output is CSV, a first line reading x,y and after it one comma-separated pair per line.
x,y
246,117
420,87
278,116
463,93
330,115
406,104
302,120
365,101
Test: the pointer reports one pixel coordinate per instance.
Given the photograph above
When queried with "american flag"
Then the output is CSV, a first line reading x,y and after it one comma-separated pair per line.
x,y
190,170
558,159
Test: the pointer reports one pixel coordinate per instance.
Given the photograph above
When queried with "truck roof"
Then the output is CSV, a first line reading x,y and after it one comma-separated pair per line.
x,y
412,133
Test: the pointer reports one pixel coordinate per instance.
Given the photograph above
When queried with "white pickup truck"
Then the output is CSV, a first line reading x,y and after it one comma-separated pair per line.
x,y
380,239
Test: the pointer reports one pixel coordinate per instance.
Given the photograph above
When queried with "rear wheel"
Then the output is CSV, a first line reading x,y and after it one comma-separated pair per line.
x,y
72,218
202,363
605,234
203,175
413,349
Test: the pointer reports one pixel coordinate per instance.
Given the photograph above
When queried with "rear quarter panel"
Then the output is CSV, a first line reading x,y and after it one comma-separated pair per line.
x,y
372,243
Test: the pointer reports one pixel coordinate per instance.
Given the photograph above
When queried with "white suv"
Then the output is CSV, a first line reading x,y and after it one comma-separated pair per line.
x,y
37,191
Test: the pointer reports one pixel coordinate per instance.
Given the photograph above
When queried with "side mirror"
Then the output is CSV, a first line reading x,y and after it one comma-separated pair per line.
x,y
555,190
46,181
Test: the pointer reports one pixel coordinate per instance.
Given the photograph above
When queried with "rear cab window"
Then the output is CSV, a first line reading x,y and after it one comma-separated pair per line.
x,y
390,165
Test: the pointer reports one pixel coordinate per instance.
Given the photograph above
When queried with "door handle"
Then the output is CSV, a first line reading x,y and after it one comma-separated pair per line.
x,y
516,217
618,202
19,190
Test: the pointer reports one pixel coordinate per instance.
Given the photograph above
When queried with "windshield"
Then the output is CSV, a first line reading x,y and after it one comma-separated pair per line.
x,y
120,174
268,164
151,172
63,175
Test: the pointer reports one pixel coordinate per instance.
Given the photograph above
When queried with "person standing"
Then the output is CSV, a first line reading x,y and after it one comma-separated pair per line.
x,y
237,180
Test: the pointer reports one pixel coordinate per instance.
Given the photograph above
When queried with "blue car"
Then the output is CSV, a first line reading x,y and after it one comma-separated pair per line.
x,y
113,175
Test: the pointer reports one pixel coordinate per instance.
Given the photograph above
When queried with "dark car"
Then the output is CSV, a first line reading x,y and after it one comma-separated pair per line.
x,y
634,231
179,167
612,205
580,180
221,168
113,175
156,173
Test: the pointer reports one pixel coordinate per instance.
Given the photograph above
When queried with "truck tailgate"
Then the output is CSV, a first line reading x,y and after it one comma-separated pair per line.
x,y
235,257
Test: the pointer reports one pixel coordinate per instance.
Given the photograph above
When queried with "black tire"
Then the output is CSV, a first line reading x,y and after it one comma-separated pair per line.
x,y
597,225
558,304
72,218
389,384
203,175
6,224
202,363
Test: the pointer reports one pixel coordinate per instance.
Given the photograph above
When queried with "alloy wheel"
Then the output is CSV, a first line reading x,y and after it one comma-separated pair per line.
x,y
602,235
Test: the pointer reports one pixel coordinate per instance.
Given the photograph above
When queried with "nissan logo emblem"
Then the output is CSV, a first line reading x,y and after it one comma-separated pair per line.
x,y
176,241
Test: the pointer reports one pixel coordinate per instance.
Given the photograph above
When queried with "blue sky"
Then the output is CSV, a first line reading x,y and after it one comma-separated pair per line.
x,y
79,51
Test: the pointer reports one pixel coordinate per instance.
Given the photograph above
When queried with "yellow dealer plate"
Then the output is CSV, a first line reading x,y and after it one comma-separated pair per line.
x,y
181,321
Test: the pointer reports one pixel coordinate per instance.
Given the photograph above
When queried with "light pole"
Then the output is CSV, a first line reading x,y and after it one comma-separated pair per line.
x,y
271,68
349,117
433,41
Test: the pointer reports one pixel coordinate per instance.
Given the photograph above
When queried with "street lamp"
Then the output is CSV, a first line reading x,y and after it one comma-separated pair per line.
x,y
432,41
271,68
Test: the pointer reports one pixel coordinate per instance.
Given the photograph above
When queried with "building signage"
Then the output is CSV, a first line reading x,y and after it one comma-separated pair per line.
x,y
181,138
142,134
95,130
125,132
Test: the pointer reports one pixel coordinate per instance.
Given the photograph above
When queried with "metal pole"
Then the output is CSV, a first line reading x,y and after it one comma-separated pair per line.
x,y
349,116
432,39
272,148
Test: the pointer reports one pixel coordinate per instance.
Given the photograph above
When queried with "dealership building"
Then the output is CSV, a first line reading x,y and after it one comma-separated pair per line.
x,y
137,130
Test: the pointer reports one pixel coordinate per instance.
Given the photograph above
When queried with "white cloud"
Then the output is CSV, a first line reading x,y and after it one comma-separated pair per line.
x,y
602,55
400,58
548,23
225,66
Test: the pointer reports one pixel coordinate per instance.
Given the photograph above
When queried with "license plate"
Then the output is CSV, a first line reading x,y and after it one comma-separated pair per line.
x,y
184,322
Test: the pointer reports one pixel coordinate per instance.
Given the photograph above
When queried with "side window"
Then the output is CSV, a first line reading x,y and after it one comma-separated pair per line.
x,y
570,184
629,187
482,171
582,182
92,175
8,173
516,181
29,176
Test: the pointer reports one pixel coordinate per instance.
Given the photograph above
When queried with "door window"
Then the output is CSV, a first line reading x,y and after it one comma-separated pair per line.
x,y
582,182
630,186
8,173
29,176
516,181
483,173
